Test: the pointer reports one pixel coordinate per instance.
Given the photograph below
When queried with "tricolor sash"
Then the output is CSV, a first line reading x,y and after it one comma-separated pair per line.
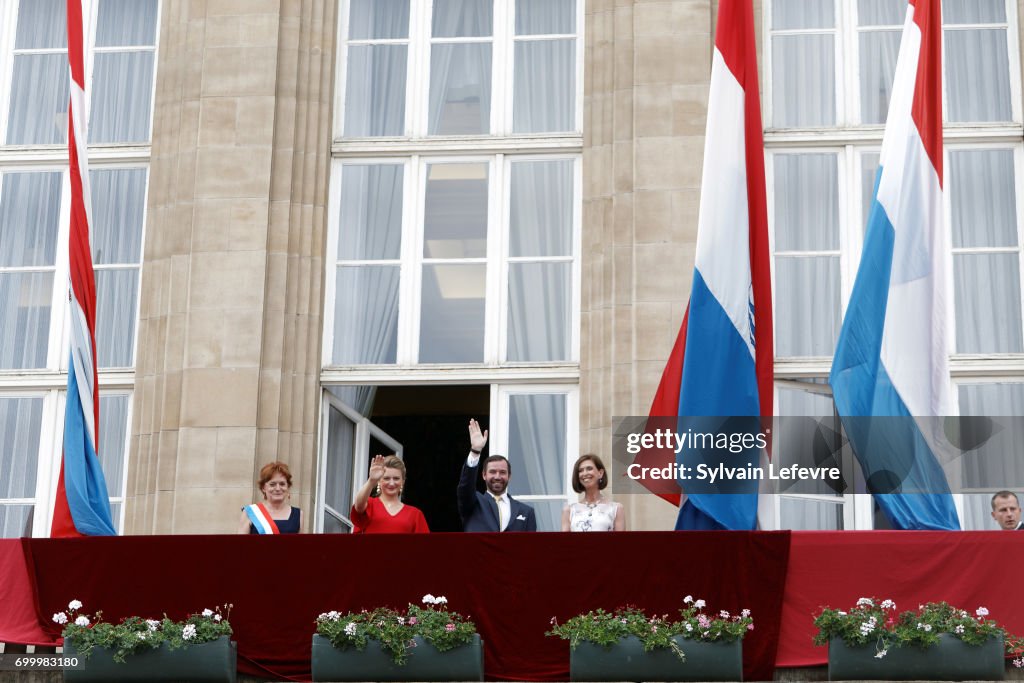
x,y
261,519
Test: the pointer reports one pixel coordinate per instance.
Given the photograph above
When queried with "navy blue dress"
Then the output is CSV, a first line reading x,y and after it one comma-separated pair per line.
x,y
285,526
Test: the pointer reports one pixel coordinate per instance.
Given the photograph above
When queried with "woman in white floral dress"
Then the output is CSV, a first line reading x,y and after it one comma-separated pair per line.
x,y
595,512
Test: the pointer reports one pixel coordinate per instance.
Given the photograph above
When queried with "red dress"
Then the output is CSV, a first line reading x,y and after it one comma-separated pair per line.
x,y
377,520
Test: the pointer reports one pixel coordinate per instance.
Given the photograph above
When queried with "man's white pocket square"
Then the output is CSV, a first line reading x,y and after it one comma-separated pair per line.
x,y
520,518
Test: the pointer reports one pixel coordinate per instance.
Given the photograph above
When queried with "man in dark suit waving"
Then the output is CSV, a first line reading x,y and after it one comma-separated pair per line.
x,y
495,510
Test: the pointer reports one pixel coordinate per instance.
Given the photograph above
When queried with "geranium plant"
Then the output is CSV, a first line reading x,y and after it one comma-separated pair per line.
x,y
607,628
395,630
133,634
873,621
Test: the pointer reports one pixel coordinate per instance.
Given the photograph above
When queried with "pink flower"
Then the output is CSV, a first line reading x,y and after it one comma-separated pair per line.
x,y
750,627
413,621
703,621
449,627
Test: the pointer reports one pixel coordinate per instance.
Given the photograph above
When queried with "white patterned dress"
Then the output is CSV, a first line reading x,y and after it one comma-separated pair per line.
x,y
596,517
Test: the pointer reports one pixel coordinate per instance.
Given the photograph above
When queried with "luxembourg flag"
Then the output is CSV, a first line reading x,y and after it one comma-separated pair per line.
x,y
721,364
81,507
892,358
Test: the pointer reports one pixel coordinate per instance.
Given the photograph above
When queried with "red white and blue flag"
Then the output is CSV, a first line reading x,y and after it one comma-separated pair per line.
x,y
892,358
81,507
721,364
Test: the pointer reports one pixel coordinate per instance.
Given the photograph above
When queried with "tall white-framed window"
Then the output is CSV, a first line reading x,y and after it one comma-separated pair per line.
x,y
829,68
454,224
34,210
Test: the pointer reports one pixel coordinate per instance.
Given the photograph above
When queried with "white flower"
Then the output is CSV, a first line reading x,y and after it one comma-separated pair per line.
x,y
920,626
699,604
440,600
689,628
927,628
141,635
429,599
81,621
75,604
723,614
189,632
153,624
334,615
981,612
60,618
745,613
207,612
401,620
959,629
881,653
1019,663
865,602
350,628
216,617
888,604
842,613
688,599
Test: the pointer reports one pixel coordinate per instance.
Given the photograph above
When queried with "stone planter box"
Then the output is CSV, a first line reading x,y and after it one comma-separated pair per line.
x,y
627,661
425,663
216,660
948,660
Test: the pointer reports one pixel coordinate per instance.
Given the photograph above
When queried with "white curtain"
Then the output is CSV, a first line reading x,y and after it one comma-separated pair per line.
x,y
537,426
881,12
539,311
973,11
122,89
868,171
21,420
375,90
366,296
545,17
378,19
38,115
987,293
545,86
541,208
977,75
460,89
127,23
996,464
807,305
41,24
118,203
878,52
337,484
806,202
113,431
803,81
462,18
116,296
797,14
984,204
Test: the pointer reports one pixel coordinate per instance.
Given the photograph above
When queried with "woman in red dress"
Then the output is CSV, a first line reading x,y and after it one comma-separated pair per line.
x,y
386,514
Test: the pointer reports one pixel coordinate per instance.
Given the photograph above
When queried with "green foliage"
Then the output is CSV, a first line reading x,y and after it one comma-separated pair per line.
x,y
607,628
396,629
876,622
135,634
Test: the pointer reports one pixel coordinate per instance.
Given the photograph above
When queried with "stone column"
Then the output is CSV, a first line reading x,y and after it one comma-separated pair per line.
x,y
648,68
229,322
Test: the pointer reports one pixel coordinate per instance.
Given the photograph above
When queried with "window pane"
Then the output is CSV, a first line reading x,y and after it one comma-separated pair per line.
x,y
810,515
24,319
371,212
463,18
42,24
868,171
122,92
794,14
878,52
29,218
375,94
984,204
806,202
126,22
460,89
541,211
539,311
337,482
378,19
987,290
536,444
16,521
806,305
21,421
545,86
973,11
366,315
113,430
548,513
452,314
116,294
38,116
535,17
993,463
118,202
455,216
881,12
977,75
803,71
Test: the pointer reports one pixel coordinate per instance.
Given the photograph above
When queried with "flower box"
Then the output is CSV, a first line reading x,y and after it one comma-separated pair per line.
x,y
425,663
627,661
950,659
212,661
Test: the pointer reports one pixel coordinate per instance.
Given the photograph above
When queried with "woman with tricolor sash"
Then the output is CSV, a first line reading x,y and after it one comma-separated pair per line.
x,y
275,516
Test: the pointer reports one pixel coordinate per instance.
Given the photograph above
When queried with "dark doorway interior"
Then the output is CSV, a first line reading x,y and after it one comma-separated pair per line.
x,y
431,424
